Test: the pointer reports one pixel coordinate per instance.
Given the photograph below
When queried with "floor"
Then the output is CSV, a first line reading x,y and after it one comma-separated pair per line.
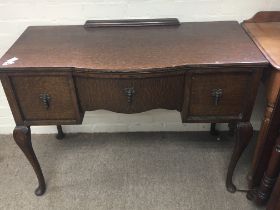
x,y
126,171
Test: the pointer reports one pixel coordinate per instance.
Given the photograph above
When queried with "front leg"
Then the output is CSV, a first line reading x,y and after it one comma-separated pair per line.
x,y
22,137
244,133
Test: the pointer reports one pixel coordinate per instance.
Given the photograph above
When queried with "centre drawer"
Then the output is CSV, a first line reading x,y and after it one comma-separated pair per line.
x,y
130,95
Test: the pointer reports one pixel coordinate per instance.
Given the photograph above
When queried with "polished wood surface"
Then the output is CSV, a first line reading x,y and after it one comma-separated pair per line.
x,y
57,87
209,72
22,137
132,23
233,101
164,92
133,48
267,37
264,16
264,29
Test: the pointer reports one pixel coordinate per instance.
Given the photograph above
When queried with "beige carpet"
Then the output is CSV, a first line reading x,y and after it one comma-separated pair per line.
x,y
127,171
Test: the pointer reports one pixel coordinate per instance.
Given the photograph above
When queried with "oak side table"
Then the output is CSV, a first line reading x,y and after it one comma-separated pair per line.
x,y
208,71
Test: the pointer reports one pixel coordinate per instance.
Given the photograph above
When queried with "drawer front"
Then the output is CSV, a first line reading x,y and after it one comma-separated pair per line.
x,y
131,95
223,94
45,98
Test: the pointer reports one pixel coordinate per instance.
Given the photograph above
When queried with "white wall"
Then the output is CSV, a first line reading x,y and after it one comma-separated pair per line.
x,y
16,15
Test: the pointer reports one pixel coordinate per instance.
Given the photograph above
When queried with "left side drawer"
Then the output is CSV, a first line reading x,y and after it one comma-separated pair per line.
x,y
46,99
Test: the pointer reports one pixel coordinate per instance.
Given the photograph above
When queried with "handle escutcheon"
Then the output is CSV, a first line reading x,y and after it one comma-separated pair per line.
x,y
45,99
217,95
129,92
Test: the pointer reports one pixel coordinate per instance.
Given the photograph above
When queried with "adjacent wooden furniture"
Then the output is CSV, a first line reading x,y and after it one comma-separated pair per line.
x,y
209,72
264,28
274,201
262,192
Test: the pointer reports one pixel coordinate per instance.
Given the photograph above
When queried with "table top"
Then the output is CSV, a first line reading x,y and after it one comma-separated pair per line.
x,y
264,29
267,37
133,48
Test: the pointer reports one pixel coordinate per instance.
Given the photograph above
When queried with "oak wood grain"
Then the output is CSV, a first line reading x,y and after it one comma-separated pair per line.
x,y
63,71
267,36
28,90
264,16
163,92
123,49
233,97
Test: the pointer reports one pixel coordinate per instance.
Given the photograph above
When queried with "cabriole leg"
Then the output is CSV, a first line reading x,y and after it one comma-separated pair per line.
x,y
60,134
244,133
22,137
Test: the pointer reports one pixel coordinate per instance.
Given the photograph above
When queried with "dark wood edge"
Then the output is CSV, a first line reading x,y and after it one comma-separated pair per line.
x,y
132,74
40,72
187,92
50,122
236,70
202,70
12,99
63,70
73,93
132,23
271,61
128,75
264,16
49,69
251,94
212,119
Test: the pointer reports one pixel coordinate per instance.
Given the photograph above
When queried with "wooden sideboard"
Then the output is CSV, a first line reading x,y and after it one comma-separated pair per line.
x,y
208,71
264,29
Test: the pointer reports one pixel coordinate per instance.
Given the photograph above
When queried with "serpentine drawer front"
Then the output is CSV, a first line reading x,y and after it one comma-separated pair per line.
x,y
209,72
131,95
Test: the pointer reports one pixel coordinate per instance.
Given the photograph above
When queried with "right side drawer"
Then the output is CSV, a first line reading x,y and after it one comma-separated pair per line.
x,y
219,94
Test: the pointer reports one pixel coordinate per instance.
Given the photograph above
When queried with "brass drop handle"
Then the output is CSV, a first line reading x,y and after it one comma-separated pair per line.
x,y
45,99
129,92
217,95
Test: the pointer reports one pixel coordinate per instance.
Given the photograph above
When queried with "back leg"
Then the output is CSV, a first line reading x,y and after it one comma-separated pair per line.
x,y
60,134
